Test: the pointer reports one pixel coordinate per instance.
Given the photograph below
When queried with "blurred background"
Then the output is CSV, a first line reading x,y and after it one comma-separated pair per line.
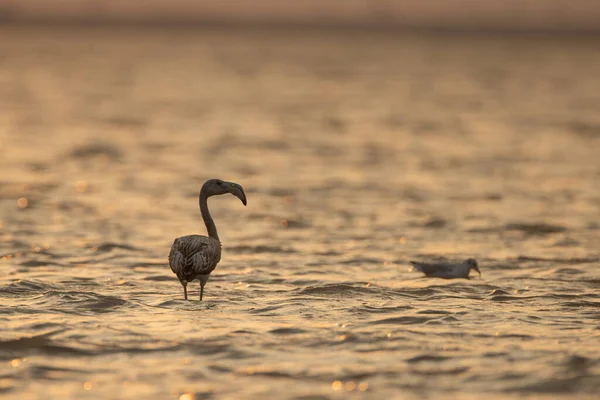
x,y
366,133
529,15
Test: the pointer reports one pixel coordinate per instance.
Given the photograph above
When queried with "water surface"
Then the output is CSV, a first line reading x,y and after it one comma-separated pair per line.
x,y
358,153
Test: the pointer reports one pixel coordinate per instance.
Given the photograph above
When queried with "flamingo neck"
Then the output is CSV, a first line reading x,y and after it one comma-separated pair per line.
x,y
208,221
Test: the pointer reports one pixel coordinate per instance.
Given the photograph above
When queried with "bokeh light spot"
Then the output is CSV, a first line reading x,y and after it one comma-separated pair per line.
x,y
22,202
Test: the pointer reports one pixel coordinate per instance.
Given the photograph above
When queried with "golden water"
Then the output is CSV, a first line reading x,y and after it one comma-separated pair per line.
x,y
358,153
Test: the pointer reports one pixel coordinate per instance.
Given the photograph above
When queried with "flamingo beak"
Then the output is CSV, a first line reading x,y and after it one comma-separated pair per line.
x,y
238,192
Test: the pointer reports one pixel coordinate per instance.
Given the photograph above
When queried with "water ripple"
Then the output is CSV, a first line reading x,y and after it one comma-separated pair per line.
x,y
358,154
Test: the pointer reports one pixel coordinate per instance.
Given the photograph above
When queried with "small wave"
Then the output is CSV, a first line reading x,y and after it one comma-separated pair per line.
x,y
109,246
11,190
515,336
287,331
25,288
558,385
566,242
80,280
77,302
53,373
140,348
379,310
495,354
528,298
149,264
268,372
267,310
300,282
568,271
435,223
362,261
40,343
578,363
417,293
535,228
582,304
336,288
573,260
260,249
587,130
441,371
426,358
407,320
159,278
39,263
294,224
506,298
244,332
206,348
434,312
87,151
170,303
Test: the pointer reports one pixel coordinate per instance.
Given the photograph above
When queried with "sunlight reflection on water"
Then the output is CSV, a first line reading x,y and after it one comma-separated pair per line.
x,y
359,152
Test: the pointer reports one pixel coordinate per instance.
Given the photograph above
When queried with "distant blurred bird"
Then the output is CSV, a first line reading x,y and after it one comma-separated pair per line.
x,y
196,256
447,270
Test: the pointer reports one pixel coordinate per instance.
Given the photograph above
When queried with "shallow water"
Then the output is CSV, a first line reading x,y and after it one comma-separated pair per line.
x,y
358,153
